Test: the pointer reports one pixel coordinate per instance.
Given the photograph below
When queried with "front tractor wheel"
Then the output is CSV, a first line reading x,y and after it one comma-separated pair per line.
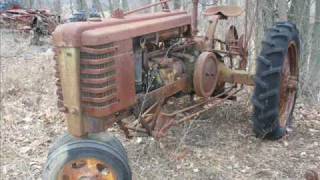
x,y
276,81
80,159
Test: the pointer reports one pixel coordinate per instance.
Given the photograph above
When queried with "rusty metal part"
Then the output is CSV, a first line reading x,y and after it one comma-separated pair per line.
x,y
289,83
226,11
225,52
156,120
169,90
162,52
235,76
149,110
164,120
194,18
202,102
69,69
171,69
26,20
312,175
137,129
125,129
172,33
118,13
243,50
133,29
88,168
162,124
165,6
215,103
205,77
151,121
231,39
209,37
107,86
109,30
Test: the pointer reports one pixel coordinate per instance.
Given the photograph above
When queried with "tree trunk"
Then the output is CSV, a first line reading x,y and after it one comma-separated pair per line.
x,y
282,10
71,6
110,6
177,4
98,6
125,5
264,20
82,5
315,48
28,4
57,7
233,2
154,8
299,13
116,4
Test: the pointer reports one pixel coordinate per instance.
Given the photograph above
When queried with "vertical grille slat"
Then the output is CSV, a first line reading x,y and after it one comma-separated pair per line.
x,y
58,81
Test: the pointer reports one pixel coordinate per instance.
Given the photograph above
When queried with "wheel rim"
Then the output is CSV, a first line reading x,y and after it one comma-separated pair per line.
x,y
289,83
87,169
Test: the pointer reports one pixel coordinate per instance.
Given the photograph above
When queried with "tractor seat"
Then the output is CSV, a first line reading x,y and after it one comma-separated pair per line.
x,y
226,11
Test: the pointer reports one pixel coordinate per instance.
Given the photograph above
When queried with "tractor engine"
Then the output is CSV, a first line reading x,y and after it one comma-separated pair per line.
x,y
156,64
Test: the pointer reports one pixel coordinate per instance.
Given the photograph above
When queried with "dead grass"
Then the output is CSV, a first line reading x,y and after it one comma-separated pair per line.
x,y
218,145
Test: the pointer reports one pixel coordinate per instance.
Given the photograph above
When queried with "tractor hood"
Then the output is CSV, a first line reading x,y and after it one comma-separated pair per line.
x,y
109,30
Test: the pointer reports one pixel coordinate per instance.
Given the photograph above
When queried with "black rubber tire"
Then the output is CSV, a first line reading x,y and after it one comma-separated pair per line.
x,y
101,137
266,96
86,149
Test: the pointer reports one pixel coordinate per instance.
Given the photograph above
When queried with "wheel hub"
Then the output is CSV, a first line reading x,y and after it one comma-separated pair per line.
x,y
87,169
205,74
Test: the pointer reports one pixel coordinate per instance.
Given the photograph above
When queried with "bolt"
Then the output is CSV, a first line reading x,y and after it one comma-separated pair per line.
x,y
73,111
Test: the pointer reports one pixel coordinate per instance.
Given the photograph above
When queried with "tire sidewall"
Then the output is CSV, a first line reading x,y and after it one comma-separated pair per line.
x,y
85,149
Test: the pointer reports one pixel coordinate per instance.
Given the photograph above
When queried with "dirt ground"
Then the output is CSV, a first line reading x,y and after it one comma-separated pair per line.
x,y
218,145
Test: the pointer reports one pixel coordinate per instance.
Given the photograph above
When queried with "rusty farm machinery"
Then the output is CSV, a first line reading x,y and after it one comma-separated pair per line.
x,y
123,69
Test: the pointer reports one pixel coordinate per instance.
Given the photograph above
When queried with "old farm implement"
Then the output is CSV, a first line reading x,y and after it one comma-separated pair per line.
x,y
122,70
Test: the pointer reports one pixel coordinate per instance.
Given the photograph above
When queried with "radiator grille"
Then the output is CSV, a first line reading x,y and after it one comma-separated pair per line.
x,y
106,78
97,77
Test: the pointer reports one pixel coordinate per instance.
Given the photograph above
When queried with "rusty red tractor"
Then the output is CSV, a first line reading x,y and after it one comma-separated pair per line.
x,y
122,70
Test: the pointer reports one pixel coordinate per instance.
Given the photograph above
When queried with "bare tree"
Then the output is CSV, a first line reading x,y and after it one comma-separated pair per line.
x,y
98,6
110,6
264,20
299,13
28,4
177,4
282,9
315,46
82,5
57,7
71,6
125,5
116,4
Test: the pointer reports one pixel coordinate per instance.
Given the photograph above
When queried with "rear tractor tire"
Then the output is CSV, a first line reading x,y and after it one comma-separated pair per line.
x,y
276,81
100,156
